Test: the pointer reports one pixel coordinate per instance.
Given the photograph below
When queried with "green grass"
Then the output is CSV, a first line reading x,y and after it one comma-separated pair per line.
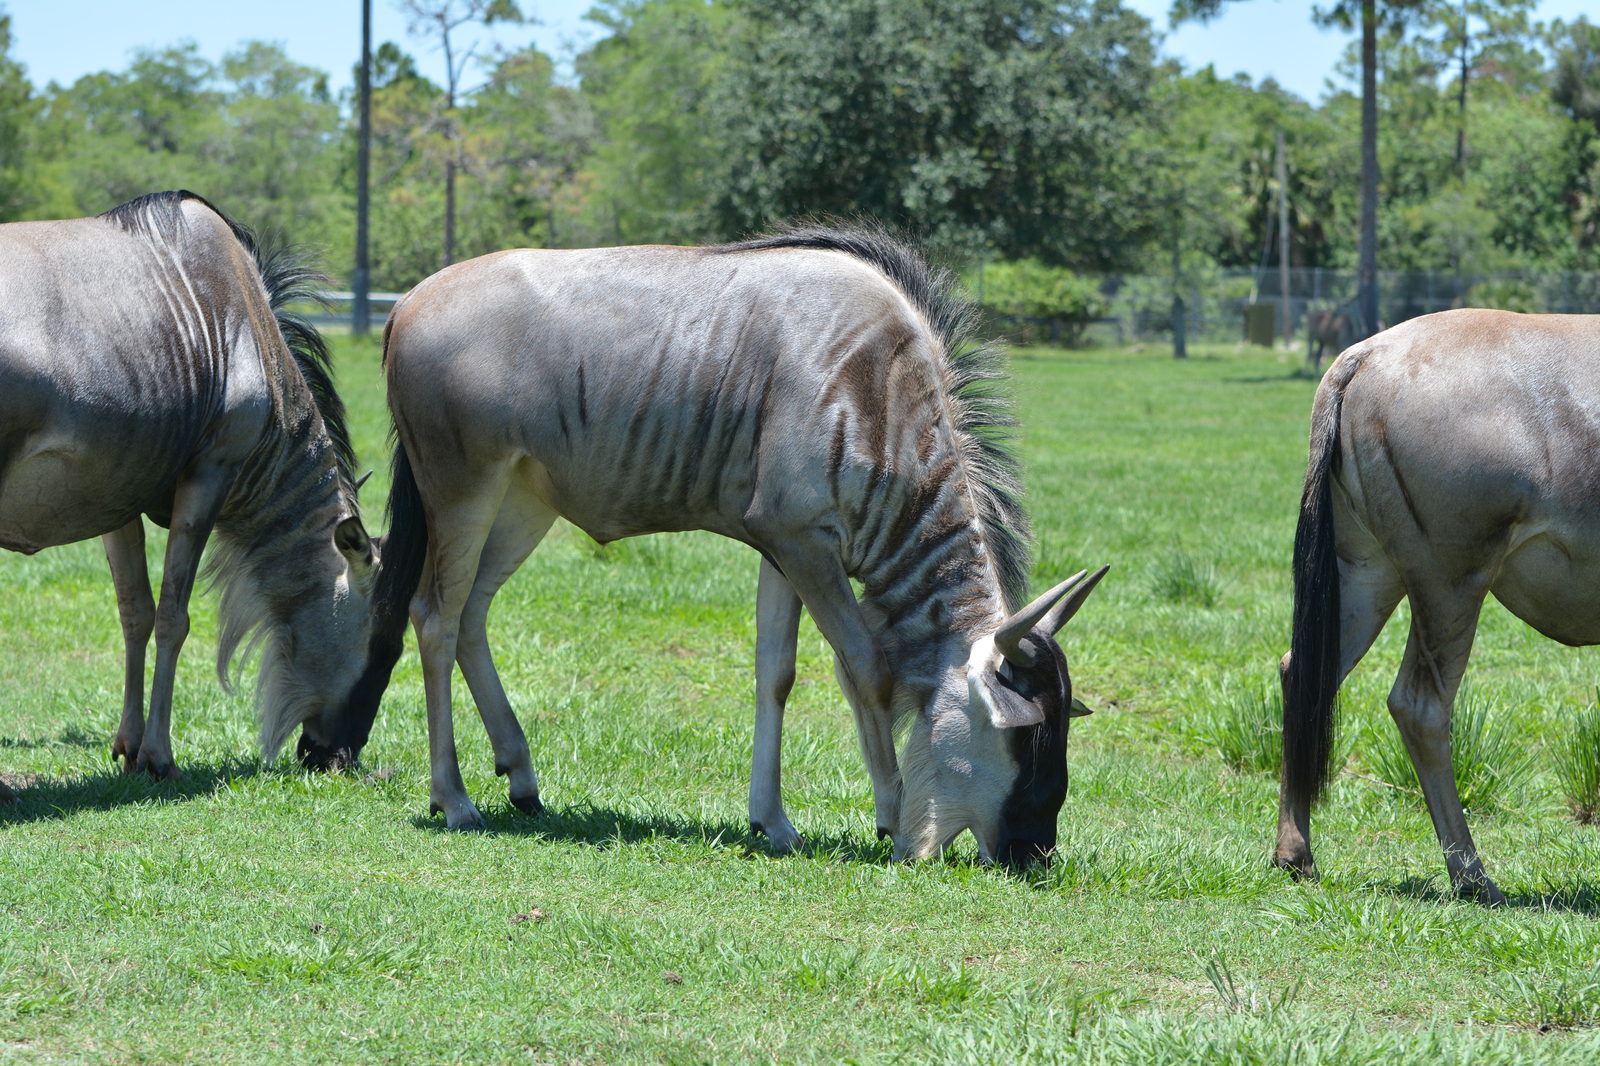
x,y
256,914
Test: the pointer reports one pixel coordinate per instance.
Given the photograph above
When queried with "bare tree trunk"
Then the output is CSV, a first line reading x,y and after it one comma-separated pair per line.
x,y
360,281
450,209
1367,252
1180,347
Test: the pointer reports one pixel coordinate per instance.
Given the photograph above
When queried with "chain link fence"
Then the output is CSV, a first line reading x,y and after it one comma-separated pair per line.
x,y
1140,308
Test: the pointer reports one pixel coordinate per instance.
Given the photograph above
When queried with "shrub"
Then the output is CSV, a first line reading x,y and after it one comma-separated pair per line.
x,y
1027,293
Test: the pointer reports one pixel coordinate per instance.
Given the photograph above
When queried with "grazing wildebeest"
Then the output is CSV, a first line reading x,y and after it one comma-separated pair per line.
x,y
811,394
146,368
1328,331
1452,456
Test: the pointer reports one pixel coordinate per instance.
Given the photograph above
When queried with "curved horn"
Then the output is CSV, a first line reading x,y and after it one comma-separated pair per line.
x,y
1008,638
1062,613
362,480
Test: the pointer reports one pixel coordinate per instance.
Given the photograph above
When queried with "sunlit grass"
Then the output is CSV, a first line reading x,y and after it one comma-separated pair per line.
x,y
252,913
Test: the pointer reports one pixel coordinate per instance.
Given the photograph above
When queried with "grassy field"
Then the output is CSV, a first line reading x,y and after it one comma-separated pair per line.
x,y
254,913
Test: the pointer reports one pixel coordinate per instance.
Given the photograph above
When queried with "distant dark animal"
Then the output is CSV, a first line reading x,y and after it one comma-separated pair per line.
x,y
145,369
813,395
1452,456
1329,331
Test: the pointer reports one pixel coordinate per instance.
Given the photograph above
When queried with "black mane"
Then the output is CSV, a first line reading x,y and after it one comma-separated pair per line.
x,y
983,409
288,275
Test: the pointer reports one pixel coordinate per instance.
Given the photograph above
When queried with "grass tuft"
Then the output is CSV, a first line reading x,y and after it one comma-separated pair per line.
x,y
1239,997
1577,764
1184,579
1490,757
1245,728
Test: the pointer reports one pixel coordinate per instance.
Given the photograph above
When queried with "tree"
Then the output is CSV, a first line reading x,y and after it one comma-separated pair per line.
x,y
1348,14
651,82
17,108
993,125
441,19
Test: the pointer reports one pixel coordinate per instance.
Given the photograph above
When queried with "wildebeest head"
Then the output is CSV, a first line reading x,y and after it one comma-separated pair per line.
x,y
990,753
345,672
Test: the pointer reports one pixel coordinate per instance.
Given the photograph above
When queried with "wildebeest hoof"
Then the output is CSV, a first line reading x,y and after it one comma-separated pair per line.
x,y
1299,867
528,805
782,839
885,834
158,769
462,815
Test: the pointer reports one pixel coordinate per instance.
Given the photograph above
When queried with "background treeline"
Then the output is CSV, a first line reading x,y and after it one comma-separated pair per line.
x,y
996,129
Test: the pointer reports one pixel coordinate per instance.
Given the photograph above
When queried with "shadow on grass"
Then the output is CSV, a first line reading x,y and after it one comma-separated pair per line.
x,y
1582,897
71,738
40,797
606,827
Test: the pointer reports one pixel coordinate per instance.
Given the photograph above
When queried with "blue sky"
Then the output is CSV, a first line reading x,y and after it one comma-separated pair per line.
x,y
61,40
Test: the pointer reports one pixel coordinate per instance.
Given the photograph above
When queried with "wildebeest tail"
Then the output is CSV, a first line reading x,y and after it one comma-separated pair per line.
x,y
1311,681
405,549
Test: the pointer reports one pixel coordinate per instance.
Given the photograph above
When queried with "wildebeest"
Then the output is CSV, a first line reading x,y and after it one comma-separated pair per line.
x,y
147,368
812,394
1453,456
1329,331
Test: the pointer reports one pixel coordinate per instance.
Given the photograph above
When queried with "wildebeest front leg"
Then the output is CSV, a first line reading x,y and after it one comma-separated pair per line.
x,y
195,505
136,607
815,573
777,629
1423,697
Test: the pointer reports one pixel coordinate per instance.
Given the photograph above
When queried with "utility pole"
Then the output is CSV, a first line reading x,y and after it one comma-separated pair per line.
x,y
1283,244
360,282
1367,245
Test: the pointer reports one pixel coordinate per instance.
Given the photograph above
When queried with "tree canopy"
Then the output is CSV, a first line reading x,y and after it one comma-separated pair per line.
x,y
994,129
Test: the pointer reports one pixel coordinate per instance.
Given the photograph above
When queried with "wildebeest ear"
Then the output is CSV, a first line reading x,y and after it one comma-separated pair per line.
x,y
1007,709
350,537
1079,709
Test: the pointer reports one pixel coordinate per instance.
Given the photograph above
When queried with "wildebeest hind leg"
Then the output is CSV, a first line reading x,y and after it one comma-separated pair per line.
x,y
777,628
136,607
460,516
1442,628
1368,593
521,524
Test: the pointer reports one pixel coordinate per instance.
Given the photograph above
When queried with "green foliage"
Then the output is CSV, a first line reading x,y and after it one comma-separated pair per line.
x,y
1577,758
984,124
650,82
1063,302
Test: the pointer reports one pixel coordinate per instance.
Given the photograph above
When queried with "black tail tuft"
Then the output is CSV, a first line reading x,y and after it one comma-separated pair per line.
x,y
405,549
1311,682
